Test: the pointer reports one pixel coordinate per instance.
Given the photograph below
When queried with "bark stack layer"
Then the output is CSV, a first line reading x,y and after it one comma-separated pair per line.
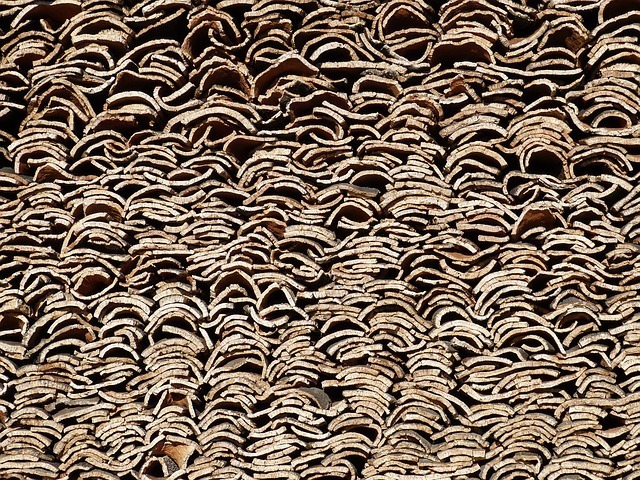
x,y
310,239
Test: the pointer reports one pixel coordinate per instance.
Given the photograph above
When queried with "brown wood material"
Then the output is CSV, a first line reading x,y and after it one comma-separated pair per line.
x,y
317,239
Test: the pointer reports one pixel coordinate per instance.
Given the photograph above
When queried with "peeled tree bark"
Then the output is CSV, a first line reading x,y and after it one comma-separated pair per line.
x,y
308,239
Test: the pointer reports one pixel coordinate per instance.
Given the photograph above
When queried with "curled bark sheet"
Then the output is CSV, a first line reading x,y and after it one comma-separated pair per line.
x,y
317,239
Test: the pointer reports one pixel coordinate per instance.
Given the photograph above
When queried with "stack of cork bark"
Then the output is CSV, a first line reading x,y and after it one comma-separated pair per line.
x,y
319,239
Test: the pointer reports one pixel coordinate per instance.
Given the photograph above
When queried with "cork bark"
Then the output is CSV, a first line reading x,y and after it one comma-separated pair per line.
x,y
318,239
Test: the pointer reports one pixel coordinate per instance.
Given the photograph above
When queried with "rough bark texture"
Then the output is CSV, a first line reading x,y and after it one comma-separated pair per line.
x,y
317,239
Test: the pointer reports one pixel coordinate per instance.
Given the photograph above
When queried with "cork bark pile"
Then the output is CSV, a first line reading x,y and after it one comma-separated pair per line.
x,y
318,239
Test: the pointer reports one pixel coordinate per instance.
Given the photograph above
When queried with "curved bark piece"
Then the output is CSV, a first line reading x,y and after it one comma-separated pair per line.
x,y
313,239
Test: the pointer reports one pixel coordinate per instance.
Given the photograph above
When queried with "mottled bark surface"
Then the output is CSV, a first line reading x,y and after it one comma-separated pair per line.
x,y
316,239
